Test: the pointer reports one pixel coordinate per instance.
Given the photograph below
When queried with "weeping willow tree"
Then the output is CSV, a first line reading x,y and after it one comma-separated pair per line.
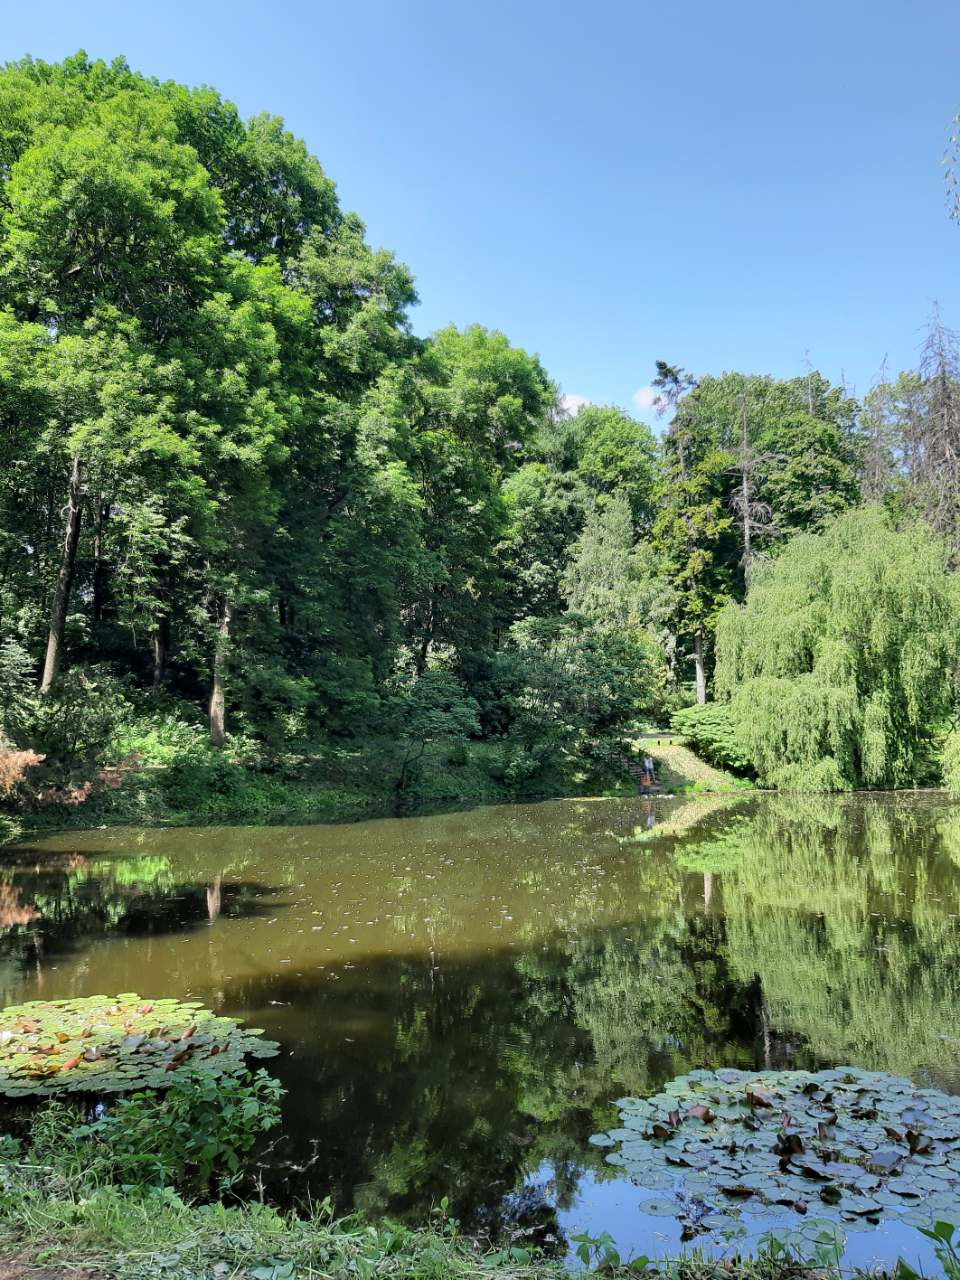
x,y
838,668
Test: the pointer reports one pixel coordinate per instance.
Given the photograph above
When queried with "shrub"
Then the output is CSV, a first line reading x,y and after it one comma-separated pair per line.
x,y
711,732
73,724
13,769
191,1137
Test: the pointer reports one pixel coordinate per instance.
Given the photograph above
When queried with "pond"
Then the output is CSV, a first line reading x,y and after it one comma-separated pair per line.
x,y
461,998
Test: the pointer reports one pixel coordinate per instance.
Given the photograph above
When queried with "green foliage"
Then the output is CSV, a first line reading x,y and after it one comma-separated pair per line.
x,y
840,662
614,581
76,723
613,454
429,709
195,1136
950,762
235,488
103,1044
946,1248
712,733
571,691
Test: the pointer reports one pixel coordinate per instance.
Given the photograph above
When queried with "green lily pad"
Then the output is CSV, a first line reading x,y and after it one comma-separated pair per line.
x,y
860,1145
108,1044
659,1208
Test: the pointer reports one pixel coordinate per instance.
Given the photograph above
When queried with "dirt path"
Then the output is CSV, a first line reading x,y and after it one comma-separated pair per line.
x,y
19,1269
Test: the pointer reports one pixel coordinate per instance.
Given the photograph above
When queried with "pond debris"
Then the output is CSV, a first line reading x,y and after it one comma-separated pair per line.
x,y
858,1146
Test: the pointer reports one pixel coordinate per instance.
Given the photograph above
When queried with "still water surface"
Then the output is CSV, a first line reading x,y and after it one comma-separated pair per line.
x,y
460,997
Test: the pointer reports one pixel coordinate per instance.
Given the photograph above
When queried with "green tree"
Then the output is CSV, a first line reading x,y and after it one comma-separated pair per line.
x,y
544,510
191,351
615,581
573,690
614,454
839,665
478,402
747,460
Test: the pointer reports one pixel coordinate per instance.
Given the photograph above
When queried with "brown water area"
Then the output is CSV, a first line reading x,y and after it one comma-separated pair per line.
x,y
460,998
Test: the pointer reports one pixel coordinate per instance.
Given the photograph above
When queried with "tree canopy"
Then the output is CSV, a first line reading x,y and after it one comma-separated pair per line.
x,y
237,487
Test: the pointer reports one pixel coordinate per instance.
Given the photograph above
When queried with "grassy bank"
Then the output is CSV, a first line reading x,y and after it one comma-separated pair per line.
x,y
680,770
198,785
327,785
70,1229
170,776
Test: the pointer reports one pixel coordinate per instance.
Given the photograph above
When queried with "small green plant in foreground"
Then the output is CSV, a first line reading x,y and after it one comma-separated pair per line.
x,y
142,1234
194,1136
947,1250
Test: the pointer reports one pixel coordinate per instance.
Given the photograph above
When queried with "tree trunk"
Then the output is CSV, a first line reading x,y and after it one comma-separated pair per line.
x,y
707,891
215,898
99,567
218,730
61,595
745,503
699,668
161,647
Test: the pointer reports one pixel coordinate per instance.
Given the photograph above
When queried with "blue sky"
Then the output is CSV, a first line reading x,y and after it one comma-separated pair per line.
x,y
726,184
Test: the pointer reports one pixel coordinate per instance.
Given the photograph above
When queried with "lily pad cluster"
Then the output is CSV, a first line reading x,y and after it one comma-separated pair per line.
x,y
849,1146
107,1044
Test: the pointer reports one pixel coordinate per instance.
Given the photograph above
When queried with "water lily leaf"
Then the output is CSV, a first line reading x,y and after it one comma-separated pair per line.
x,y
758,1098
111,1043
700,1112
884,1161
774,1138
659,1208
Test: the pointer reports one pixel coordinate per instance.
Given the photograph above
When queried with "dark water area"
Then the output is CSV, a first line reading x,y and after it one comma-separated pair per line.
x,y
460,998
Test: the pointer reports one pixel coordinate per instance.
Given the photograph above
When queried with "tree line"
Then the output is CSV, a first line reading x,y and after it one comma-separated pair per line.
x,y
235,481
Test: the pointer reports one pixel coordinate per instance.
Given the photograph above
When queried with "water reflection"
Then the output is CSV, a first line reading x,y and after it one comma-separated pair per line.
x,y
460,998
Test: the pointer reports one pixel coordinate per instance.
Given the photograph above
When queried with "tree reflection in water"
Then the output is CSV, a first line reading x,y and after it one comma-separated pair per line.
x,y
521,969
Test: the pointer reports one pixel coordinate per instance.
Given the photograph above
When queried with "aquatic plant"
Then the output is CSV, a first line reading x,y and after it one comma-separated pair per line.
x,y
850,1146
110,1044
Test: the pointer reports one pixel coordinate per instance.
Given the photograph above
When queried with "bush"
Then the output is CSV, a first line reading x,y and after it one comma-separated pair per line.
x,y
191,1137
73,724
711,732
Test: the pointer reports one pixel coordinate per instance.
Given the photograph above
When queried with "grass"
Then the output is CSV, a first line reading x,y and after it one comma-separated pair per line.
x,y
190,784
69,1227
679,770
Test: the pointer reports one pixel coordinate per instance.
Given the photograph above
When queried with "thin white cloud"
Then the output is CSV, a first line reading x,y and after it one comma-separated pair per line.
x,y
645,397
569,404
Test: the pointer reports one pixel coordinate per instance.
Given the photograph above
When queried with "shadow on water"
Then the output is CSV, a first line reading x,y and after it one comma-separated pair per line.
x,y
409,1081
